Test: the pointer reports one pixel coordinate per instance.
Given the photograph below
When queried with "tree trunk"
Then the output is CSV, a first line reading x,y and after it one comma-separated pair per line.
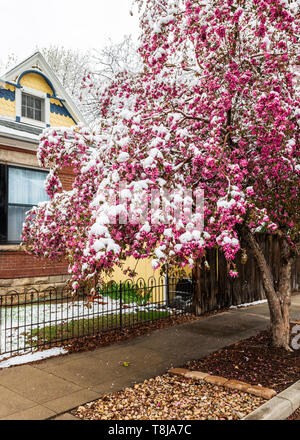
x,y
197,290
280,314
279,300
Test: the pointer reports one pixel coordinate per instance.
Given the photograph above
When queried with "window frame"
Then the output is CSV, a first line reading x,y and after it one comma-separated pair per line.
x,y
35,94
34,108
4,204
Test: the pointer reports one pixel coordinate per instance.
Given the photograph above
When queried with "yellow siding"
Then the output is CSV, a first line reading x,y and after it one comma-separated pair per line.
x,y
56,101
37,82
60,120
8,86
144,270
57,120
7,107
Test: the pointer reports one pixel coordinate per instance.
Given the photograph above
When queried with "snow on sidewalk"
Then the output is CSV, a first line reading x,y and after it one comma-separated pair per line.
x,y
254,303
31,357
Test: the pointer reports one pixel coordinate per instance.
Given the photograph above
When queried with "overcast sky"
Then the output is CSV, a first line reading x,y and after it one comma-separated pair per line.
x,y
77,24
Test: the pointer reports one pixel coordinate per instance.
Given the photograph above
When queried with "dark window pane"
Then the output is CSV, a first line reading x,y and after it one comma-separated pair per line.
x,y
29,112
32,107
38,115
30,101
38,104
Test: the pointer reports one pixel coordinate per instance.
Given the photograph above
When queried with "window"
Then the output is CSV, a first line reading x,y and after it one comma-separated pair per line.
x,y
20,190
32,107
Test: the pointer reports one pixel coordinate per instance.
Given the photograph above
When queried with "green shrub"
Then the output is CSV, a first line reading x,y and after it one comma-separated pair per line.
x,y
131,293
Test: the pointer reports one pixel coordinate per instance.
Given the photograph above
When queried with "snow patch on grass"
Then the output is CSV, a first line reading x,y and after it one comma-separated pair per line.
x,y
19,321
31,357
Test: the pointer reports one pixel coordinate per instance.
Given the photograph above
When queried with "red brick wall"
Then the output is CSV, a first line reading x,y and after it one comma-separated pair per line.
x,y
66,176
17,264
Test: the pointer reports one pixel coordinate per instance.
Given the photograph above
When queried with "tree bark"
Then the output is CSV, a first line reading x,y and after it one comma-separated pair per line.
x,y
197,290
279,300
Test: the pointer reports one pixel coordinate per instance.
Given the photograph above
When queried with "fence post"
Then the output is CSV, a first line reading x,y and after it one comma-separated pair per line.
x,y
121,304
168,287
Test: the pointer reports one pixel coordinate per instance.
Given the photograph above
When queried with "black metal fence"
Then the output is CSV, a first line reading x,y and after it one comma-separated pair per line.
x,y
34,318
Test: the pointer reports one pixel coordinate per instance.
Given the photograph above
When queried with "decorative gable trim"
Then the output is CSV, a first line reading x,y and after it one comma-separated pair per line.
x,y
38,64
37,72
60,110
7,94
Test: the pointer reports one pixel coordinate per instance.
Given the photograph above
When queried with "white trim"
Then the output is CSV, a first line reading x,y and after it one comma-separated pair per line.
x,y
13,133
45,111
8,118
18,103
30,91
33,122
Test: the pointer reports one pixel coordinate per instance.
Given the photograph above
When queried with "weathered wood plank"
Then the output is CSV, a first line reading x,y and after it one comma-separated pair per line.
x,y
219,290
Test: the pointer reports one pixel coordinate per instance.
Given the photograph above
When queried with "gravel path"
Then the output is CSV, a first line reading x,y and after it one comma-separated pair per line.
x,y
170,397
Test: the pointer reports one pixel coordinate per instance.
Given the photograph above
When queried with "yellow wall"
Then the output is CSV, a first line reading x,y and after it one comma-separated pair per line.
x,y
60,120
144,270
36,82
7,107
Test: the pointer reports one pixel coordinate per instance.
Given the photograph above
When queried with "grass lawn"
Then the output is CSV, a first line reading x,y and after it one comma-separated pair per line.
x,y
88,326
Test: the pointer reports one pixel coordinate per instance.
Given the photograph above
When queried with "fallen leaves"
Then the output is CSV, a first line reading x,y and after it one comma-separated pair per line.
x,y
253,361
114,336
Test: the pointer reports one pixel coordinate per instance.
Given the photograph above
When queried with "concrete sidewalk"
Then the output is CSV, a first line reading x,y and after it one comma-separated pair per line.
x,y
54,386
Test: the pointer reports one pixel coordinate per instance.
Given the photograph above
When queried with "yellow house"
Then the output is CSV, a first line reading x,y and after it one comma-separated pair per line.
x,y
31,99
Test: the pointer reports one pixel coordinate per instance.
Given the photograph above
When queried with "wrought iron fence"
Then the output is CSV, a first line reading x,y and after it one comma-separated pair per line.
x,y
34,318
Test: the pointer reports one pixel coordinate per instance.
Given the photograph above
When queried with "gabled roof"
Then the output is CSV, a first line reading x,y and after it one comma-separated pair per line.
x,y
37,63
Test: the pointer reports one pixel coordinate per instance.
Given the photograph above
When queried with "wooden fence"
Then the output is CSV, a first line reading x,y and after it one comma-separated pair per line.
x,y
219,290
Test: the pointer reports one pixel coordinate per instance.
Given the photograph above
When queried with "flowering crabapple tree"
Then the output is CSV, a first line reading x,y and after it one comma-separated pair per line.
x,y
213,111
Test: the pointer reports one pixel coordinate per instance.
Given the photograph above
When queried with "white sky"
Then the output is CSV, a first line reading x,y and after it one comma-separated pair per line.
x,y
76,24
